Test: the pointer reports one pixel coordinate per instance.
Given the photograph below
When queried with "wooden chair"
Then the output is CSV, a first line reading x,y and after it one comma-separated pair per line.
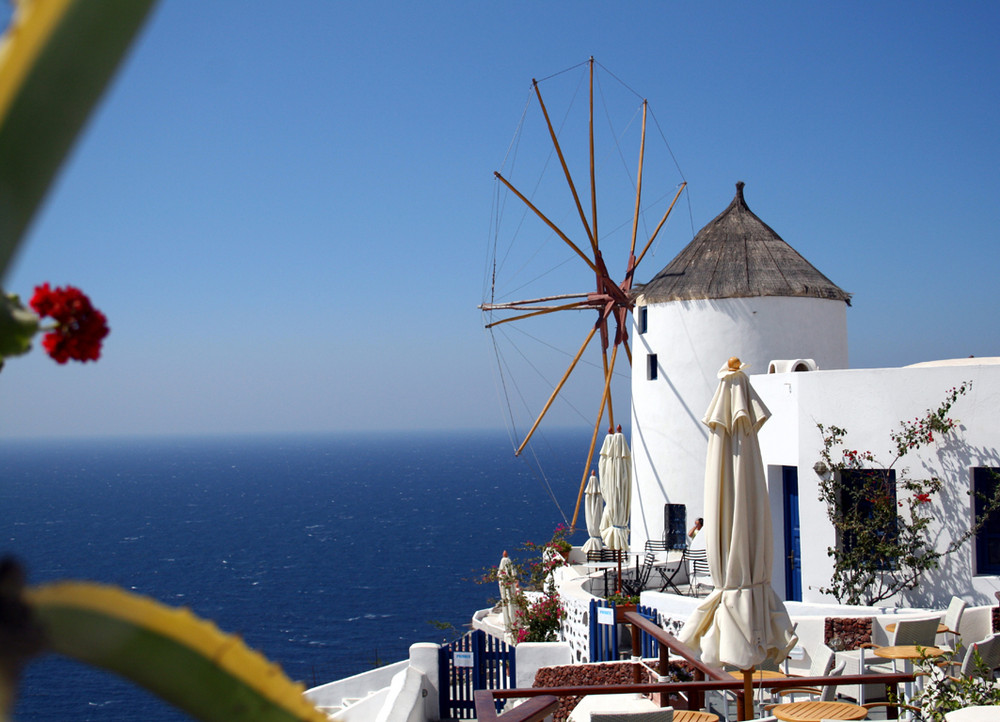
x,y
826,693
823,665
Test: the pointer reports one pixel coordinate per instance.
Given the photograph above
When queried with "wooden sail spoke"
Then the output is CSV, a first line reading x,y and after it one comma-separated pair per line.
x,y
562,160
593,177
658,227
638,183
556,391
541,312
605,403
607,387
547,222
610,299
528,301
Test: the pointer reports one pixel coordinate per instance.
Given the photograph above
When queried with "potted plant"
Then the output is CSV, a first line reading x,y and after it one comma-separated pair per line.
x,y
559,541
623,603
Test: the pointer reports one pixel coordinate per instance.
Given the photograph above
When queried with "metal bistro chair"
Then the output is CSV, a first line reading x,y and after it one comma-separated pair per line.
x,y
632,586
598,556
697,566
693,563
669,576
658,547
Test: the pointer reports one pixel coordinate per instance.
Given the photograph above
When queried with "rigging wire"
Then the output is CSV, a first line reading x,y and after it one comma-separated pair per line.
x,y
620,81
677,165
512,434
503,254
560,72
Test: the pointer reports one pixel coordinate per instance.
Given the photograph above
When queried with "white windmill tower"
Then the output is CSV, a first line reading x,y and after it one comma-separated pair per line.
x,y
737,289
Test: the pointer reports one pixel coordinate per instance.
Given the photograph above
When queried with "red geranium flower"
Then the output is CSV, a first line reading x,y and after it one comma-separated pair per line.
x,y
923,498
80,328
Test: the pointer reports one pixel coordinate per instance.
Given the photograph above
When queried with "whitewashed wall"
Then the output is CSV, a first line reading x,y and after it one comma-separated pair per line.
x,y
692,340
870,403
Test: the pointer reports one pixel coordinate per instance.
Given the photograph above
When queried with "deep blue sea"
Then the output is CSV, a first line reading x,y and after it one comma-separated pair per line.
x,y
330,554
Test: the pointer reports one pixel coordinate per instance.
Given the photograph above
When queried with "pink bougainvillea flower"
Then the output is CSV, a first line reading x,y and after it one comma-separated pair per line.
x,y
80,328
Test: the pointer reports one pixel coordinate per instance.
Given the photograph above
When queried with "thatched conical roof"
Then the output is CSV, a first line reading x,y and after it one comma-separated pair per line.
x,y
738,255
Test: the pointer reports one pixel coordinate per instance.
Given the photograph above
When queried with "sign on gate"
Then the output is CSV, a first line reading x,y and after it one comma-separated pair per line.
x,y
476,661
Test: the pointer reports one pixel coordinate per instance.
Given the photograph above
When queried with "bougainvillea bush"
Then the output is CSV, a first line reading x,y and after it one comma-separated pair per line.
x,y
882,517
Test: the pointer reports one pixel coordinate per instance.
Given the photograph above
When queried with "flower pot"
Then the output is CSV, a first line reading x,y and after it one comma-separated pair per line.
x,y
620,612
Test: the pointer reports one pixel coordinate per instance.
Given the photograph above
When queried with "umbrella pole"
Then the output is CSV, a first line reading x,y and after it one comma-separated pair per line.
x,y
619,590
748,694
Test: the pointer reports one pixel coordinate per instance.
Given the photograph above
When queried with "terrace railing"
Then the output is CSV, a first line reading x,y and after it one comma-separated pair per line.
x,y
543,701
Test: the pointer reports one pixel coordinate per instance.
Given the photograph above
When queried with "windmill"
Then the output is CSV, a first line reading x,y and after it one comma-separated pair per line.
x,y
572,243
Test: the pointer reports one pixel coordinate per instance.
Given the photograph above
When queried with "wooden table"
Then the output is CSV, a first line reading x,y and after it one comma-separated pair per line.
x,y
690,715
907,652
814,711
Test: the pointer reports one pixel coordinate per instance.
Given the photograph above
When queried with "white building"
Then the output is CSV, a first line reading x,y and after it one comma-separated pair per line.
x,y
739,290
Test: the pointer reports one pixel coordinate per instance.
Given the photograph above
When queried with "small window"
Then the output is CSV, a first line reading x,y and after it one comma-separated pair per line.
x,y
651,367
643,319
984,484
858,487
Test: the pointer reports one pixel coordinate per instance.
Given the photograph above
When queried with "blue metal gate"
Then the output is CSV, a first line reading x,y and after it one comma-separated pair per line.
x,y
604,637
476,661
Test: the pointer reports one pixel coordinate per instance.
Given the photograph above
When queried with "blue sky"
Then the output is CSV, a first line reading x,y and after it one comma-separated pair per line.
x,y
284,210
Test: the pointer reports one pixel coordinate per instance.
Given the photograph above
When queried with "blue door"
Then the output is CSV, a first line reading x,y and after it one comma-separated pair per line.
x,y
793,555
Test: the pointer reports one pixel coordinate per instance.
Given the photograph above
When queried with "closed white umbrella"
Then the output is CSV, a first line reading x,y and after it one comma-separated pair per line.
x,y
743,621
594,510
508,594
615,469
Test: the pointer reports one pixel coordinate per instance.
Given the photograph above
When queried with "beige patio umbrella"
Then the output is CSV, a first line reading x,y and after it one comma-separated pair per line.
x,y
508,594
594,510
743,621
615,469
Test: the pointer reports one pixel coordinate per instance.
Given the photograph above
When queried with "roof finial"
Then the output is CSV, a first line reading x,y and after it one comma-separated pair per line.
x,y
739,190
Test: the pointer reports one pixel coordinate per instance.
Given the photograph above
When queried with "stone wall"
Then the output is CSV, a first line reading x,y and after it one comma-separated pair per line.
x,y
845,633
612,673
576,627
